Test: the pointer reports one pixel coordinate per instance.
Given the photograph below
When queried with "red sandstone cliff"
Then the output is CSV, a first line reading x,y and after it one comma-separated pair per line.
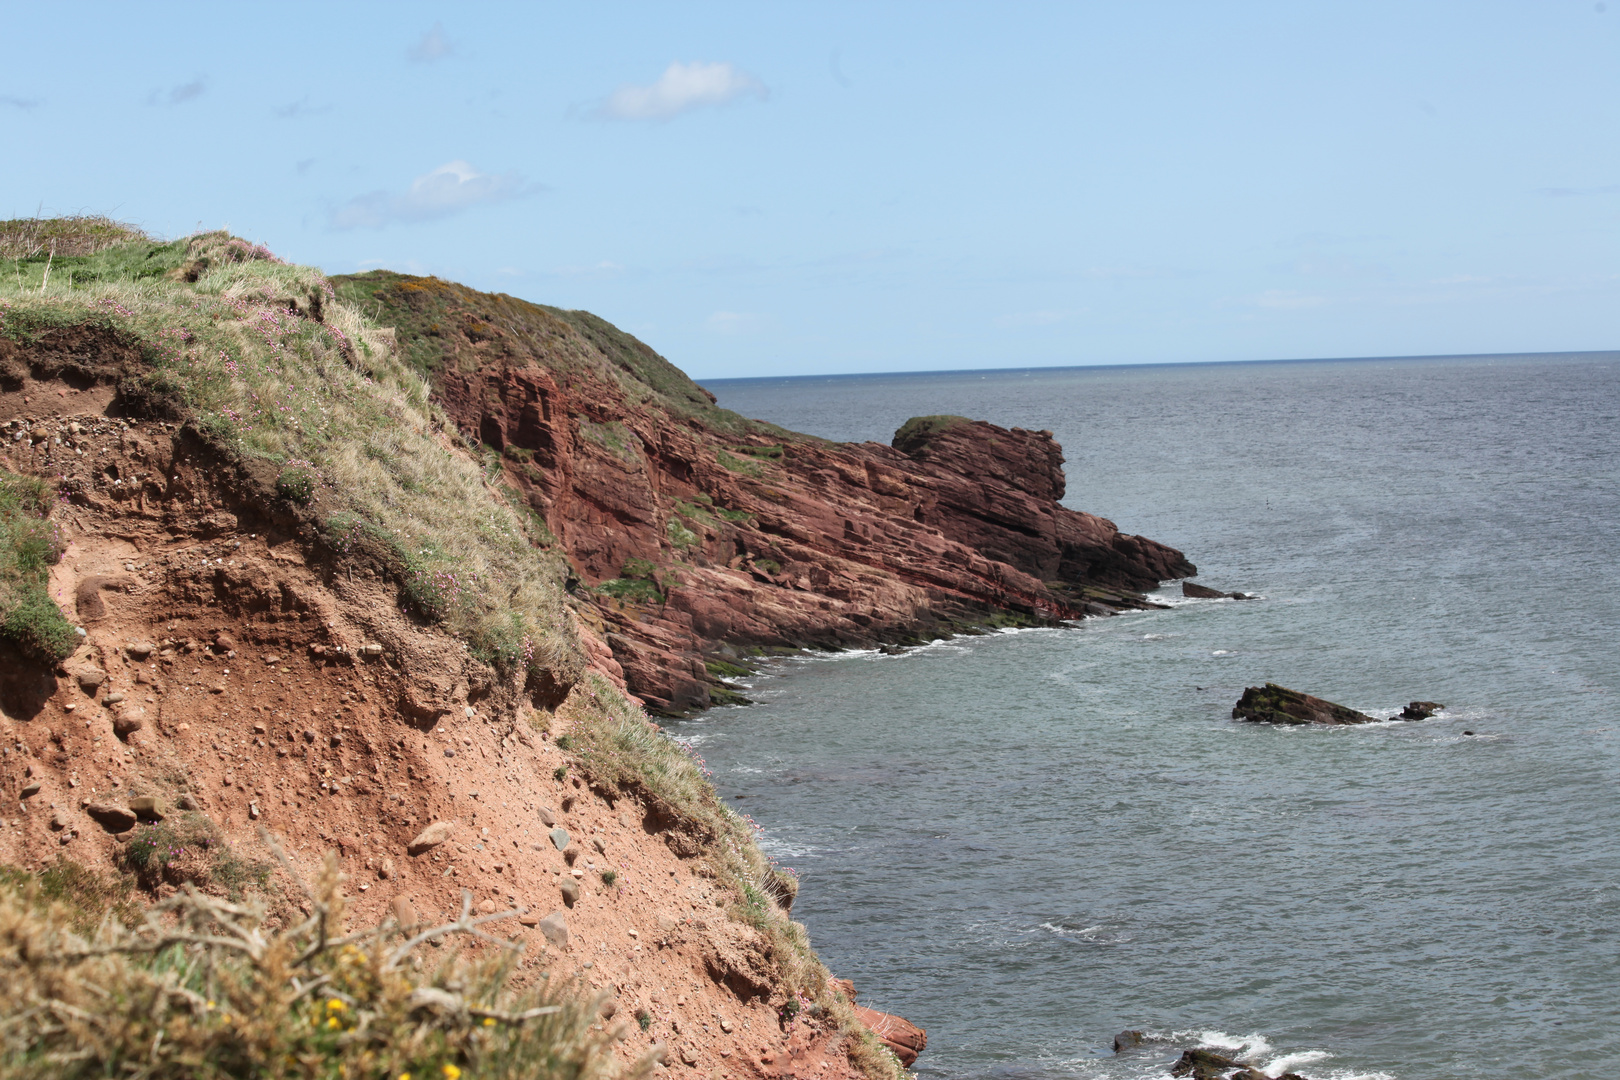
x,y
704,533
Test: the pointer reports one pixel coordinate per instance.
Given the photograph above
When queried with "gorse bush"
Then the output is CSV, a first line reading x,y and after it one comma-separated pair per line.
x,y
30,544
202,989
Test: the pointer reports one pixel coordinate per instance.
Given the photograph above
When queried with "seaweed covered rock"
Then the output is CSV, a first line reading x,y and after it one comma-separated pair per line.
x,y
1273,704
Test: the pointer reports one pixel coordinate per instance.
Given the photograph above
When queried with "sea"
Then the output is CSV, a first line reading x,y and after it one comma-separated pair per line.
x,y
1027,842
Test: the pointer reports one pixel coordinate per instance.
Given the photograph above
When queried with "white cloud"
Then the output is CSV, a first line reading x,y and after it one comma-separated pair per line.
x,y
432,46
735,322
452,187
681,88
298,110
179,95
1282,299
605,268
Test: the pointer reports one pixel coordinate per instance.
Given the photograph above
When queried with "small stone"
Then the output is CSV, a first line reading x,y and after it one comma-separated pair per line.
x,y
449,752
547,816
555,927
186,802
386,870
259,729
689,1055
147,807
335,741
486,906
272,659
529,918
253,813
139,650
309,736
59,820
30,790
113,698
224,643
559,838
570,891
608,1008
125,726
371,650
404,912
727,1026
597,842
90,678
115,819
431,837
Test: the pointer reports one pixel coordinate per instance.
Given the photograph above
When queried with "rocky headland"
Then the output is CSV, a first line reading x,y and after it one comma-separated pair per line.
x,y
704,536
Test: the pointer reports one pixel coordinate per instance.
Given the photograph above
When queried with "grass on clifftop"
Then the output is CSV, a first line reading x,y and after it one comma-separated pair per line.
x,y
233,343
447,327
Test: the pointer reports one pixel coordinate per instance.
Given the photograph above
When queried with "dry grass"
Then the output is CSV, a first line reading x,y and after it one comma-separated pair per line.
x,y
204,989
26,238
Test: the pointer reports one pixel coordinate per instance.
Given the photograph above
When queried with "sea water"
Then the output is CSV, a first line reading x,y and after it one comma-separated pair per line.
x,y
1027,842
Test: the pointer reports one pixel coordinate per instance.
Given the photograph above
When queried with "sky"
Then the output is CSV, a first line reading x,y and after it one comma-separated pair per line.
x,y
803,188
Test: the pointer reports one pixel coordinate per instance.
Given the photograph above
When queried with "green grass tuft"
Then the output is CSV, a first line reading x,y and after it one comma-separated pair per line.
x,y
30,544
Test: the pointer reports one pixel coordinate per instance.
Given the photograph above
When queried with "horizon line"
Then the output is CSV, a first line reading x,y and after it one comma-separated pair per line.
x,y
1561,354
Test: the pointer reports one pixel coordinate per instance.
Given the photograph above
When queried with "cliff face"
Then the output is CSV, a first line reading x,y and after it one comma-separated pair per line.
x,y
704,533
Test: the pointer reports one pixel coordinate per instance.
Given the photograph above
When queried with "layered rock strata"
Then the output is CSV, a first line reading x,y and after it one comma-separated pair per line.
x,y
704,535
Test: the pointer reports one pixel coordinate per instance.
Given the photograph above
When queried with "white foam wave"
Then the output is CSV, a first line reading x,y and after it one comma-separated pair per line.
x,y
1253,1046
1287,1062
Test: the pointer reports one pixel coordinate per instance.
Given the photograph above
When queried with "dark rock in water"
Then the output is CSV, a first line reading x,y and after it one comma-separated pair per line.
x,y
1202,1064
891,650
1128,1040
1421,710
1204,592
1273,704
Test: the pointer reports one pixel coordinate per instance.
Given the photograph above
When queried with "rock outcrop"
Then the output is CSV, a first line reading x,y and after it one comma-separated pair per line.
x,y
1204,592
703,535
1273,704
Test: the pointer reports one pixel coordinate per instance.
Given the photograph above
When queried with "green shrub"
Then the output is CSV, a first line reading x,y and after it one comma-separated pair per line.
x,y
638,569
679,535
636,591
517,453
30,544
298,482
745,466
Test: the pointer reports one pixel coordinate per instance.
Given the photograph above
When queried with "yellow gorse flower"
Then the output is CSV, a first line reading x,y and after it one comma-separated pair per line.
x,y
489,1021
335,1005
452,1073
